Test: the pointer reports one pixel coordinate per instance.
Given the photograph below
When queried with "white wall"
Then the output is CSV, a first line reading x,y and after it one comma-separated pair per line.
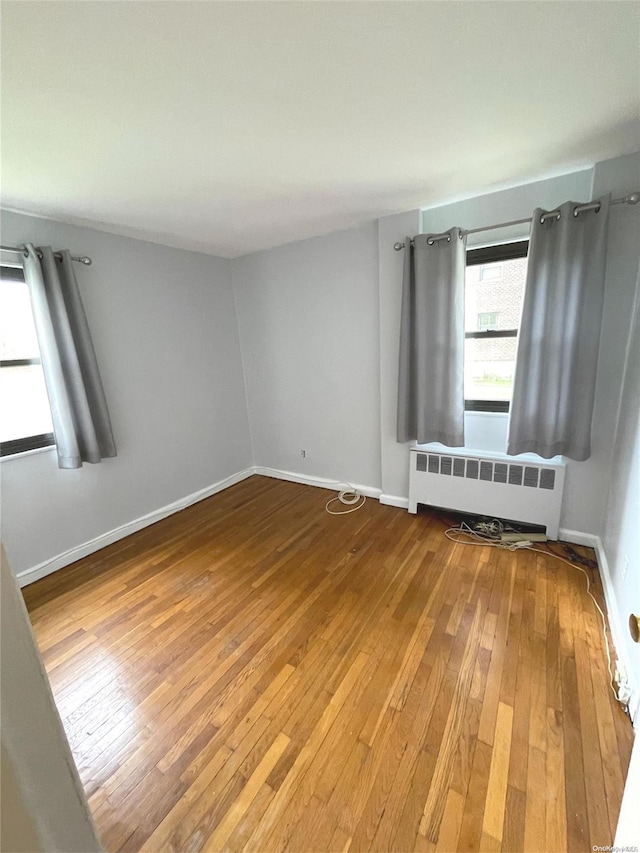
x,y
621,536
308,320
619,414
43,804
165,332
628,829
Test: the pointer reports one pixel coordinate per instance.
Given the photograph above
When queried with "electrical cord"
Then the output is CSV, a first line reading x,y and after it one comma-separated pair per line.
x,y
350,497
489,534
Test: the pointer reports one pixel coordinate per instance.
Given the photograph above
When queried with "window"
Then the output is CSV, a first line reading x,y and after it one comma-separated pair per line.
x,y
494,288
25,417
490,272
488,322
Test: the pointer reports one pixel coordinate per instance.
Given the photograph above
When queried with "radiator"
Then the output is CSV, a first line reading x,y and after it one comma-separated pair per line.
x,y
493,485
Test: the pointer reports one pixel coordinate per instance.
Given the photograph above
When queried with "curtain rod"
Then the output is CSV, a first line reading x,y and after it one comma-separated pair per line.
x,y
81,259
631,198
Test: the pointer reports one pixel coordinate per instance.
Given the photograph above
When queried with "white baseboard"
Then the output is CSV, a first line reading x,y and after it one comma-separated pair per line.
x,y
394,500
577,538
321,482
48,566
618,630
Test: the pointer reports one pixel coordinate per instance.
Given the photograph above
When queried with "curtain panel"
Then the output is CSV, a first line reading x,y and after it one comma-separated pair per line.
x,y
81,423
431,365
559,338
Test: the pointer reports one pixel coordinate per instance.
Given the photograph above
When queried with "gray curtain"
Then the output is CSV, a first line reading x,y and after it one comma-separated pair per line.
x,y
559,337
81,423
431,374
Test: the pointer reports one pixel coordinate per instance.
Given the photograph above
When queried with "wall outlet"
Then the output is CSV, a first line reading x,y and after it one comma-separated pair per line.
x,y
620,674
624,694
623,691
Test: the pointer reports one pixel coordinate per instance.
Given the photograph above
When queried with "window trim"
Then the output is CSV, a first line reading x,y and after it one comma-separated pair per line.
x,y
487,255
27,442
31,442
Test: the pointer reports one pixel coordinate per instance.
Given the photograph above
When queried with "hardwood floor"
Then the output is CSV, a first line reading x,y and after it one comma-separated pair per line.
x,y
254,674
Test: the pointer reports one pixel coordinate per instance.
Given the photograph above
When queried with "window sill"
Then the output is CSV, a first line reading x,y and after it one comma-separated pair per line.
x,y
24,453
485,414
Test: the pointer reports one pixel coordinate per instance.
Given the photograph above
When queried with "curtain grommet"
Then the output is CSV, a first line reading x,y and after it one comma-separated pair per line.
x,y
430,242
448,239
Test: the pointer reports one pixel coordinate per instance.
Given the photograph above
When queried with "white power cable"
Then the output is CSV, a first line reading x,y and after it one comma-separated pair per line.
x,y
492,539
349,497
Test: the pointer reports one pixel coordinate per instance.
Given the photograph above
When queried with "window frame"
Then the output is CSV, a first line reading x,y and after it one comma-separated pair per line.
x,y
487,255
487,326
27,442
491,277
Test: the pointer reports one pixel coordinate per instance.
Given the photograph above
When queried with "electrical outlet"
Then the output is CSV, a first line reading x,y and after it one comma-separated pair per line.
x,y
623,691
624,694
620,674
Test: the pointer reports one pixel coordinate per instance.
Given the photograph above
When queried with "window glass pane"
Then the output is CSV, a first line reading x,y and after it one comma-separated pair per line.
x,y
500,297
25,405
489,366
488,322
490,271
17,332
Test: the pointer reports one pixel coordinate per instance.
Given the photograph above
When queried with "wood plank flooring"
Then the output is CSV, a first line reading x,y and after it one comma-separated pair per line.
x,y
254,674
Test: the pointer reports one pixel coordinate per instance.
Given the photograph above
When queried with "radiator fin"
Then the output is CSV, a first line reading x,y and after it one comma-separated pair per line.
x,y
515,475
486,470
483,469
500,472
547,478
472,469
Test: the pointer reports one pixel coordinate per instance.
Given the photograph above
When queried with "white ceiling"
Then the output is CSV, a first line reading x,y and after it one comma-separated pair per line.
x,y
228,127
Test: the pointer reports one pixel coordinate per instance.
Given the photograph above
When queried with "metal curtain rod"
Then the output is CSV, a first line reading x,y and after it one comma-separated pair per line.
x,y
81,259
631,198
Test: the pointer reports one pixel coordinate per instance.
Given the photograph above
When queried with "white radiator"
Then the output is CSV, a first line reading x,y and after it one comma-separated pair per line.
x,y
491,484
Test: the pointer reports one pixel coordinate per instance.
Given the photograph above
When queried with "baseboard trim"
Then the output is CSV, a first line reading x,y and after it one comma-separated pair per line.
x,y
618,630
61,560
394,500
319,482
578,538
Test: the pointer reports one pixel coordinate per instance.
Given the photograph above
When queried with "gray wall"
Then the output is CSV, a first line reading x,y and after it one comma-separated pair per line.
x,y
308,319
618,408
165,331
